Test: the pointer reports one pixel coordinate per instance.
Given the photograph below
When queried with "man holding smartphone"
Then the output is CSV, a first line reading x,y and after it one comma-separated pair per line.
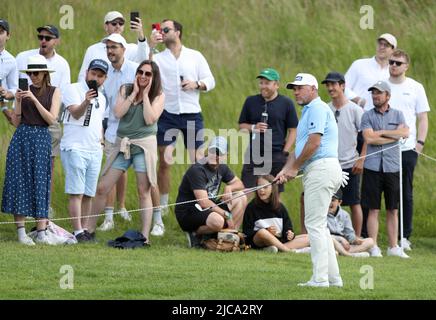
x,y
81,144
114,22
182,102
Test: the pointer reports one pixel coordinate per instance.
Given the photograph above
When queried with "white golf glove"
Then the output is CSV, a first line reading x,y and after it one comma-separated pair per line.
x,y
345,178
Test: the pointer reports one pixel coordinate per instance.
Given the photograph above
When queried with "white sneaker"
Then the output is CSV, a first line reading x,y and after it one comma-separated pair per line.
x,y
397,252
311,283
360,254
272,249
336,282
26,240
125,214
106,225
158,230
375,252
302,250
45,239
406,244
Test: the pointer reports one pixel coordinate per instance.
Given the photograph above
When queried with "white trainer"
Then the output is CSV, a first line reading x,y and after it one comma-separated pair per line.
x,y
106,225
45,239
272,249
311,283
26,240
336,282
302,250
125,214
406,244
360,254
375,252
397,252
158,230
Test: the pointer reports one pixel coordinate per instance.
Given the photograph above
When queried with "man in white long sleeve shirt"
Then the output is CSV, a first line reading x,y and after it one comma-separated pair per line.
x,y
185,73
114,22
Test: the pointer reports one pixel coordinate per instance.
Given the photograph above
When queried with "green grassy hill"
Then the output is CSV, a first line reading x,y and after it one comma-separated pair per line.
x,y
238,38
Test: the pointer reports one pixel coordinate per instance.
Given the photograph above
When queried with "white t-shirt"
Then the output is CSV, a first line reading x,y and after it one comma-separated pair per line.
x,y
78,136
192,65
361,75
8,71
410,98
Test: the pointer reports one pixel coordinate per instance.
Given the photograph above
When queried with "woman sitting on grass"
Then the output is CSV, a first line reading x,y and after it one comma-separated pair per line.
x,y
266,222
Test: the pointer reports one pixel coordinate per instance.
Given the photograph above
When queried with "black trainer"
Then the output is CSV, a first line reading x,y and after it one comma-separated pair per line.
x,y
193,240
90,235
82,237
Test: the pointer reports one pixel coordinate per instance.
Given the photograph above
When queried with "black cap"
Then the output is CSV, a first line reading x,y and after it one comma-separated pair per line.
x,y
4,24
50,28
99,64
333,77
338,194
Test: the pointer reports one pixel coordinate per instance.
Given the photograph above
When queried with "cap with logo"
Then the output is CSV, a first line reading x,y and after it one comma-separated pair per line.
x,y
117,38
303,79
50,28
99,64
269,74
381,86
112,15
389,38
333,77
4,24
338,194
219,143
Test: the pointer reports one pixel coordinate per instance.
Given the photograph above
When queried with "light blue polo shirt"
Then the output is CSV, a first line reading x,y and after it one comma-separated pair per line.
x,y
317,117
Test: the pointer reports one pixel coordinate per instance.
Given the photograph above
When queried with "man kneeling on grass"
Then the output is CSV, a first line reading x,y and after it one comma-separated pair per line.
x,y
202,182
344,238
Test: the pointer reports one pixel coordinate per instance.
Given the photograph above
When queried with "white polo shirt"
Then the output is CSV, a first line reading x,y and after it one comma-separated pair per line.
x,y
60,78
192,65
134,52
8,71
361,75
78,135
115,79
409,97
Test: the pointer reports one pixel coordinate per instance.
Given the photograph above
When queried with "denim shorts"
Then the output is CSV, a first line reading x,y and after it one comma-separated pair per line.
x,y
82,169
138,161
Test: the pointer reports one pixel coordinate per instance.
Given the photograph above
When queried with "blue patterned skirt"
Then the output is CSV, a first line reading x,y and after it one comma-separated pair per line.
x,y
26,189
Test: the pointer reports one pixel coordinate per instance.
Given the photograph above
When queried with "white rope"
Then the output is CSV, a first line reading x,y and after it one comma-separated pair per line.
x,y
425,156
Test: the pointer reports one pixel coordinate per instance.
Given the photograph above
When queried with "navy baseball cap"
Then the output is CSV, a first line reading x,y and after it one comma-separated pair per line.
x,y
334,77
50,28
338,194
99,64
4,24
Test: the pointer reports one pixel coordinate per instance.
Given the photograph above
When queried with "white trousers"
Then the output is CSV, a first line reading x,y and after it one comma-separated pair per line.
x,y
322,178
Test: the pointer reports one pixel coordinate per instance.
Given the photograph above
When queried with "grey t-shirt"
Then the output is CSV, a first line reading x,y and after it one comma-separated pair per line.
x,y
348,118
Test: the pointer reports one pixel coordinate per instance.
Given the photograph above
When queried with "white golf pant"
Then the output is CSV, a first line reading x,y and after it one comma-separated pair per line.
x,y
321,179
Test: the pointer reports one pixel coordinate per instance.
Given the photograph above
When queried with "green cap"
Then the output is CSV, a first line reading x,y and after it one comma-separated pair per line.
x,y
269,74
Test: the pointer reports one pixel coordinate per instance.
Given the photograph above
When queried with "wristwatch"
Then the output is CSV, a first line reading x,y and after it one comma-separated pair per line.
x,y
420,142
228,215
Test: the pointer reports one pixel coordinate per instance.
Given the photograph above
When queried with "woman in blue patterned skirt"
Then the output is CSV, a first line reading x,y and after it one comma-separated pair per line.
x,y
26,191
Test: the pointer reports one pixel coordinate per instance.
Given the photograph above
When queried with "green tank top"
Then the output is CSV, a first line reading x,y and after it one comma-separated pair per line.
x,y
133,126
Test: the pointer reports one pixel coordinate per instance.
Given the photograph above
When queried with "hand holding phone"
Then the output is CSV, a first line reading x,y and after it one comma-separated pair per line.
x,y
134,15
92,84
23,84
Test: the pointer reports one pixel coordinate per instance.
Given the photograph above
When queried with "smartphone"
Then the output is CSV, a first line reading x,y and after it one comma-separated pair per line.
x,y
181,78
155,26
133,16
23,84
92,84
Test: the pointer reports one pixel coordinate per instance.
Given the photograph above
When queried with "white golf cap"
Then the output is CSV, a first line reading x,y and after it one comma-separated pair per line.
x,y
116,37
112,15
389,38
219,143
303,79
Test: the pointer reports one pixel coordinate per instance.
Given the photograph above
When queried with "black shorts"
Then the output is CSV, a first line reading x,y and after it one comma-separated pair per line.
x,y
190,218
351,192
374,183
249,178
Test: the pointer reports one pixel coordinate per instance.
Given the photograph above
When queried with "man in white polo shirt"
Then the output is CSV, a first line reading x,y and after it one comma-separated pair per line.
x,y
81,149
114,22
363,73
408,96
185,73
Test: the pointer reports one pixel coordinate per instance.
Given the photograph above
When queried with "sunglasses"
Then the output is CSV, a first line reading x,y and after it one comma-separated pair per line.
x,y
337,114
115,23
397,63
34,73
46,38
147,73
166,30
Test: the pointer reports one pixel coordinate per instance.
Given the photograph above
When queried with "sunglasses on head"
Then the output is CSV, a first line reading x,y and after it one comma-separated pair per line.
x,y
166,30
115,23
34,73
147,73
397,63
46,38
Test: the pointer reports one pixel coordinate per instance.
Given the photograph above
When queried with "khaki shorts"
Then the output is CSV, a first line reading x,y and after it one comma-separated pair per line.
x,y
56,136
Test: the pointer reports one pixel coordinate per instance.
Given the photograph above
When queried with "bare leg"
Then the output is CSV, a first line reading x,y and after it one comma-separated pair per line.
x,y
121,190
340,248
366,245
264,238
214,223
372,224
357,218
145,203
104,187
86,209
237,207
392,227
163,175
300,241
75,210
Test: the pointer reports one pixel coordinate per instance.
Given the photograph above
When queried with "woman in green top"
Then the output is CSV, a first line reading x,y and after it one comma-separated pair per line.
x,y
138,106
